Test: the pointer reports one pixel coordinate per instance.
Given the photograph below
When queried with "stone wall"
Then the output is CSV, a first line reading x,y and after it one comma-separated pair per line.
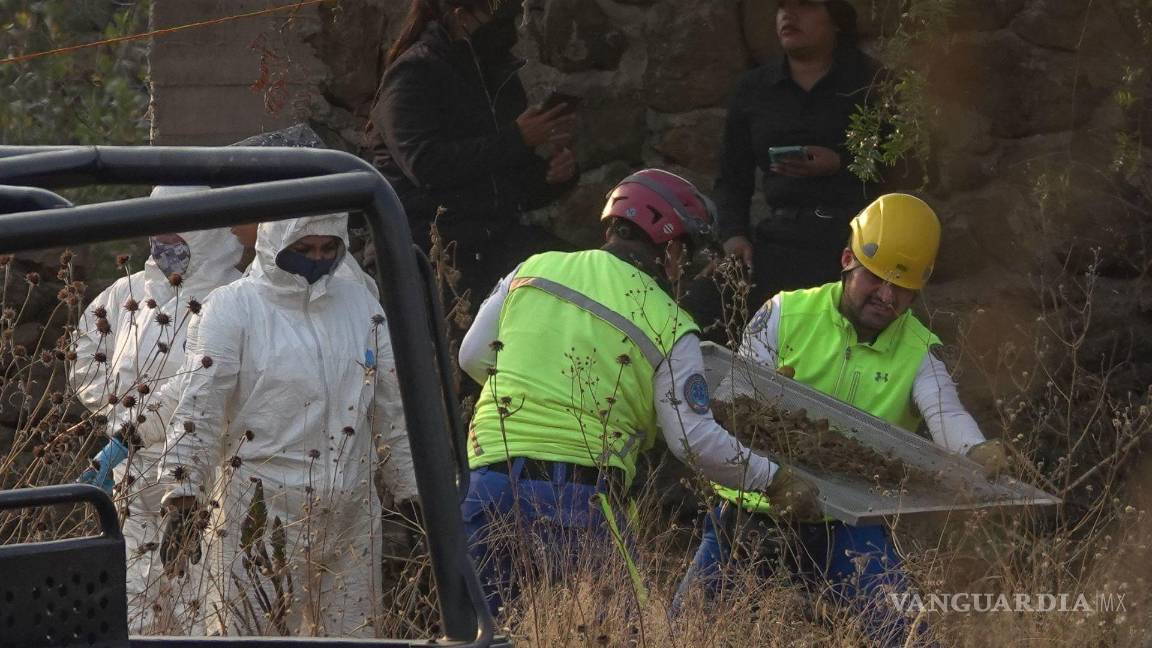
x,y
1021,172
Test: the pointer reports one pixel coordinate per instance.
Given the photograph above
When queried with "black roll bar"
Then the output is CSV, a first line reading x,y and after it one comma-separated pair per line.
x,y
18,199
71,166
277,184
66,494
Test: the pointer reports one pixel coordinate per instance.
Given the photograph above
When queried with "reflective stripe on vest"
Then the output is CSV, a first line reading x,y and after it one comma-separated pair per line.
x,y
651,352
581,335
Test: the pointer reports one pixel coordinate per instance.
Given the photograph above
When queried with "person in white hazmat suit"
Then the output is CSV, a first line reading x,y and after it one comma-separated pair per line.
x,y
290,407
129,344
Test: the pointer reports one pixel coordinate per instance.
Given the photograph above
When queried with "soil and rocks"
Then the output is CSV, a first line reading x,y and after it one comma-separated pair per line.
x,y
793,437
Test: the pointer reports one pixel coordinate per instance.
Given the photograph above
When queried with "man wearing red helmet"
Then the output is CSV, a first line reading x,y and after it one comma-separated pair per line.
x,y
583,356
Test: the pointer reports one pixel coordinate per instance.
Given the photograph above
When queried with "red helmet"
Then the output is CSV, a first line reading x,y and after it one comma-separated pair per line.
x,y
663,204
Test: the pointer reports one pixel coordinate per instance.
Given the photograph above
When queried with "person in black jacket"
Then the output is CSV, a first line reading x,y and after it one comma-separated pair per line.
x,y
803,101
452,130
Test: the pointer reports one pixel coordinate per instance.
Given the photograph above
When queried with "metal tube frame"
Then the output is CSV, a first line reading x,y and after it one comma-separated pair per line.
x,y
16,199
67,494
262,184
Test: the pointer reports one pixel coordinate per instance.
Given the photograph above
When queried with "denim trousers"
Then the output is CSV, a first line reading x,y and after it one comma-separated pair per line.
x,y
853,566
542,529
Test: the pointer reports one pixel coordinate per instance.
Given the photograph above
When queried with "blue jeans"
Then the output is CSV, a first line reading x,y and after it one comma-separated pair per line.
x,y
519,527
854,566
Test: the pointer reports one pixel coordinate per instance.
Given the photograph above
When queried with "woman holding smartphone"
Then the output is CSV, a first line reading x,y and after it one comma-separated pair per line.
x,y
454,134
788,120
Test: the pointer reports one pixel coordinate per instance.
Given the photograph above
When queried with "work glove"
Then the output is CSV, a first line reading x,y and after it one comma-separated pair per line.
x,y
787,371
99,472
791,495
183,529
993,457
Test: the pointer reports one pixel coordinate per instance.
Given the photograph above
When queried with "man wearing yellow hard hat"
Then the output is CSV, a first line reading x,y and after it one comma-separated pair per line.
x,y
854,339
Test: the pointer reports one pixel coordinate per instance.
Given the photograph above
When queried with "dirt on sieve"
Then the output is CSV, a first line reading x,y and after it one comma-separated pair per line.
x,y
791,436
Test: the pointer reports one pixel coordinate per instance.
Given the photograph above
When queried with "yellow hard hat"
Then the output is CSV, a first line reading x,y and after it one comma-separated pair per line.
x,y
897,238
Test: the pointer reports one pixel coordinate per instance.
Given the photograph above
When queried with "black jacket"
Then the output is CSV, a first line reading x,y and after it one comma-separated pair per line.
x,y
768,109
444,134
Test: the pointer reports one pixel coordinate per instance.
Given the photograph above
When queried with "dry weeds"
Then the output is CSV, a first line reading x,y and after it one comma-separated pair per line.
x,y
1082,432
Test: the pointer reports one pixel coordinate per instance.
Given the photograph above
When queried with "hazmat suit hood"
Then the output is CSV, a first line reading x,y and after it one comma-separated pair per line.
x,y
302,136
273,237
214,254
135,336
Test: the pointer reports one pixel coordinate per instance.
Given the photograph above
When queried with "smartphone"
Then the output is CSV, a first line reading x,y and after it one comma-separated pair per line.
x,y
556,98
783,153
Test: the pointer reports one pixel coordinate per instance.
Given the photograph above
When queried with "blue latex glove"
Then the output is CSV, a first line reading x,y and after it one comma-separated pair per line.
x,y
111,456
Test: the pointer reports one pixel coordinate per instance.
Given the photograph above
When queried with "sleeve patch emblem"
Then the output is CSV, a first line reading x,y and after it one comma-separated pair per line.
x,y
696,393
760,320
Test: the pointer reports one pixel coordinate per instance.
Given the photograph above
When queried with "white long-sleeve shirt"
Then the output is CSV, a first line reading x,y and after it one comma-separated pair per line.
x,y
933,391
694,438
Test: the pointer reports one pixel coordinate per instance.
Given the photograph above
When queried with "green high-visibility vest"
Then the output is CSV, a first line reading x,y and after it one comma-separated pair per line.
x,y
822,347
580,337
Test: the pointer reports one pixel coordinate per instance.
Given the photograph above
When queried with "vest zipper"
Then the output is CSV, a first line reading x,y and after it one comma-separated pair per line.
x,y
843,366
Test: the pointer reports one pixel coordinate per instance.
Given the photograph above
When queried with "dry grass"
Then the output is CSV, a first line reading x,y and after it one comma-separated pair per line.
x,y
594,604
1083,433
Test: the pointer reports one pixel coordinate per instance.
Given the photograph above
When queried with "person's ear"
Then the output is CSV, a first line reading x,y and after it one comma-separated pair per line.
x,y
847,259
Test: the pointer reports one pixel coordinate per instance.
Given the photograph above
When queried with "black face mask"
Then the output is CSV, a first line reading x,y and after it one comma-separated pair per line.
x,y
495,38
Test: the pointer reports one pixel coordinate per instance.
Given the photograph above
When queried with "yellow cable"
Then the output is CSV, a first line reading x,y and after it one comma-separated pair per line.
x,y
159,32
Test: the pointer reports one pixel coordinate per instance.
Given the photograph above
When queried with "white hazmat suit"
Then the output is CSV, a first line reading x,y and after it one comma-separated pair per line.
x,y
290,406
148,318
